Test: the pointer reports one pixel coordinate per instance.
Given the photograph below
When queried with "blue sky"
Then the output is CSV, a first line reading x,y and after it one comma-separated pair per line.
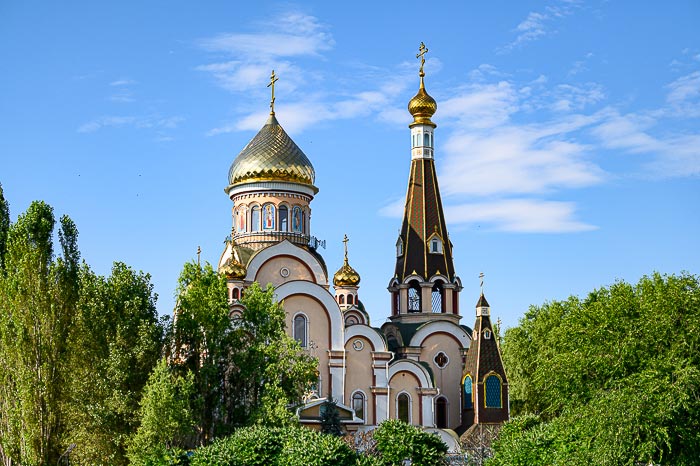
x,y
567,147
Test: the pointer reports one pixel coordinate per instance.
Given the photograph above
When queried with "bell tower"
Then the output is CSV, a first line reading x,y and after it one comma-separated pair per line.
x,y
424,286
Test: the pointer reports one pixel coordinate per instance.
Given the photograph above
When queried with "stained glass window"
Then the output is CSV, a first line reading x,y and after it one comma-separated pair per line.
x,y
468,395
493,392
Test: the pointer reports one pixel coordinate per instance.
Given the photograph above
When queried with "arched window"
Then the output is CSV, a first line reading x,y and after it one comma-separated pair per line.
x,y
426,139
341,299
468,393
300,329
255,219
240,220
437,295
350,300
284,213
493,391
403,408
397,302
414,297
399,247
441,412
358,404
234,293
351,320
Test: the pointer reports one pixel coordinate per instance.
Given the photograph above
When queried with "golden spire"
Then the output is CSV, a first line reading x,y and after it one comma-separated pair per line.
x,y
273,80
422,106
232,268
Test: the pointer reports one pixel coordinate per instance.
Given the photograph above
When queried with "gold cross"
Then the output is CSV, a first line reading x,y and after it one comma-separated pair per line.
x,y
422,51
345,243
273,80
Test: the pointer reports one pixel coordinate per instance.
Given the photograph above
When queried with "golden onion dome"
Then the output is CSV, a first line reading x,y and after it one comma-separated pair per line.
x,y
233,270
272,156
346,276
422,106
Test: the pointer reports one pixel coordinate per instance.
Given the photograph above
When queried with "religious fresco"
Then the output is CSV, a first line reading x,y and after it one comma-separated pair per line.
x,y
269,217
240,220
297,220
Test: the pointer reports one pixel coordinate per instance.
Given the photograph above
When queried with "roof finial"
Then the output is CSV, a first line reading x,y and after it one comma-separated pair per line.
x,y
345,244
422,50
273,80
199,254
481,276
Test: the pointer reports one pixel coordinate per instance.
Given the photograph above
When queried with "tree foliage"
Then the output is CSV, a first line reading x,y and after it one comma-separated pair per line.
x,y
4,227
330,418
398,441
246,369
166,417
610,379
75,348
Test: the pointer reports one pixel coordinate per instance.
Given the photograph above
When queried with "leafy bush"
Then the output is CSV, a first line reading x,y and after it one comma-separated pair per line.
x,y
398,441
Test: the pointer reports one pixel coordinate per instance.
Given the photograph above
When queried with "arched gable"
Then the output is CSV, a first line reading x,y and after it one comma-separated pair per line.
x,y
285,248
410,366
320,294
440,326
359,330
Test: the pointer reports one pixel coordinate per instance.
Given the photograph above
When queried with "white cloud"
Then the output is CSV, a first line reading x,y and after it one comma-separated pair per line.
x,y
122,82
684,95
139,122
538,24
520,216
481,106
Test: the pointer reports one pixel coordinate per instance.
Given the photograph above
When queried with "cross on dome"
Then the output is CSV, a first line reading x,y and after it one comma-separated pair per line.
x,y
273,80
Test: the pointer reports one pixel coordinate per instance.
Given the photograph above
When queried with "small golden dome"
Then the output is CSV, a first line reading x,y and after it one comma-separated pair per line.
x,y
422,106
346,276
233,269
272,156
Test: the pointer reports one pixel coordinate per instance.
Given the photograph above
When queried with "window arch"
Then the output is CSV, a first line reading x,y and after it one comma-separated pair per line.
x,y
358,404
255,218
341,299
350,300
468,392
426,139
414,297
235,293
351,320
441,413
297,220
399,247
300,329
437,297
493,391
403,408
284,215
269,216
396,303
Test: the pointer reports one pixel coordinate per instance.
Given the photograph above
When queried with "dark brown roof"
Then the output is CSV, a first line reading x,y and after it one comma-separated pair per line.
x,y
423,217
483,355
482,302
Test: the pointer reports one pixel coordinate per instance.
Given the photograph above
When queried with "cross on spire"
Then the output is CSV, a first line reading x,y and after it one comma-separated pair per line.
x,y
345,244
273,80
422,50
481,277
199,254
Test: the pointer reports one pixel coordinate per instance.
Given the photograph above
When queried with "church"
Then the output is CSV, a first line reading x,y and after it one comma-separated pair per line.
x,y
423,366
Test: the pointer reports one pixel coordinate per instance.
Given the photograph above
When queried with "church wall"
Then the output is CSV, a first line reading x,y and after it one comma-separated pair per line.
x,y
273,271
318,332
448,378
359,374
405,382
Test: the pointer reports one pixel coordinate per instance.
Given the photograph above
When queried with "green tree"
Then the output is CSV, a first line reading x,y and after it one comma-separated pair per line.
x,y
166,416
398,441
38,296
614,378
246,368
4,227
116,341
330,418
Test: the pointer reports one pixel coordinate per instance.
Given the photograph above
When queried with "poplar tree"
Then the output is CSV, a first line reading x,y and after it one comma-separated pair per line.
x,y
4,227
